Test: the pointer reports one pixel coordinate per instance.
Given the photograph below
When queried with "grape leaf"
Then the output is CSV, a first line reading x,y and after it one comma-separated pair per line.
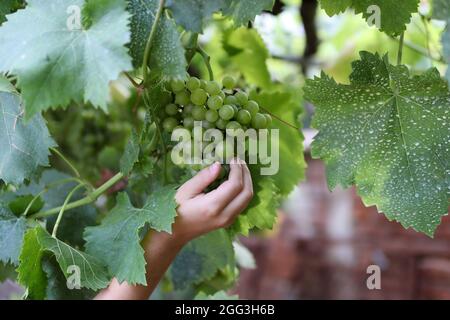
x,y
441,9
130,155
388,133
57,284
292,165
201,258
388,15
243,12
75,62
333,7
93,274
12,230
193,14
262,210
249,54
117,240
167,53
6,7
25,146
5,85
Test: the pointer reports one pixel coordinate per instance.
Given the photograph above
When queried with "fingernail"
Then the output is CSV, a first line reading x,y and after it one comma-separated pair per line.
x,y
214,167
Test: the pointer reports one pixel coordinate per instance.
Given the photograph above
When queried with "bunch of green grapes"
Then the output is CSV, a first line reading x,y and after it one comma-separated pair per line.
x,y
221,106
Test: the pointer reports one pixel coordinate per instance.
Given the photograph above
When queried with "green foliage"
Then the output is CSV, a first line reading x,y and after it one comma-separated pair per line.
x,y
31,274
394,15
12,230
130,155
371,134
167,55
441,9
25,146
221,295
117,240
72,64
7,6
243,12
201,258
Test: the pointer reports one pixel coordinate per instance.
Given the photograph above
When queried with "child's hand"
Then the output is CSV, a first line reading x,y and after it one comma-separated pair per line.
x,y
200,213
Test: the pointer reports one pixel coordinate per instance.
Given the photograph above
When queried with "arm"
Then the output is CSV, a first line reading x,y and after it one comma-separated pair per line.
x,y
198,214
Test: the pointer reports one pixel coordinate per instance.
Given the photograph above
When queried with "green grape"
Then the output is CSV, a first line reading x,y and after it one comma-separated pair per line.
x,y
203,83
215,102
233,125
177,85
226,112
229,82
244,117
221,124
182,98
241,97
213,88
269,119
187,110
169,124
198,113
259,121
188,123
199,97
211,115
171,109
235,108
230,100
193,83
207,124
224,151
252,107
222,94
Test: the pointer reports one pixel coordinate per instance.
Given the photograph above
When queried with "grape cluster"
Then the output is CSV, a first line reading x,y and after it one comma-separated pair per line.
x,y
216,105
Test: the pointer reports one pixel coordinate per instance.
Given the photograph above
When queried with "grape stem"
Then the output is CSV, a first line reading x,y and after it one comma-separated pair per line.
x,y
71,166
400,48
91,197
207,60
63,209
149,44
279,119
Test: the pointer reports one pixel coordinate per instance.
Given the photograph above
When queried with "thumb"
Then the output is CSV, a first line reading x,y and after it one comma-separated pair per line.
x,y
198,183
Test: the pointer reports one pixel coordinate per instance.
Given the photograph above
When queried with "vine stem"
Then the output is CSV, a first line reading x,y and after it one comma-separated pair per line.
x,y
419,50
84,201
400,48
148,46
63,209
207,60
72,167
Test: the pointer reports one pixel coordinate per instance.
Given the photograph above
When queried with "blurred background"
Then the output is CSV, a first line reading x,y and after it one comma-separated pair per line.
x,y
323,241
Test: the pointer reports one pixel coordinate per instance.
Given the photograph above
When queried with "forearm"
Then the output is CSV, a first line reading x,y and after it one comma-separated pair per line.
x,y
160,250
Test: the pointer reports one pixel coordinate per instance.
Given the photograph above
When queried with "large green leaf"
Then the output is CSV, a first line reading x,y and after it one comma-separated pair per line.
x,y
12,230
243,12
441,9
57,60
167,53
130,155
117,240
249,54
201,258
393,16
25,146
93,274
388,133
6,7
193,14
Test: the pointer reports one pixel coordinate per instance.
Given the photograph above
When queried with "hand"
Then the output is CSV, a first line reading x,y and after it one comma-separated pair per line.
x,y
200,213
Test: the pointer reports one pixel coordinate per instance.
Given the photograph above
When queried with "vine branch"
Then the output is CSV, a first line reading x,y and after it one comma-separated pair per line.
x,y
207,60
400,48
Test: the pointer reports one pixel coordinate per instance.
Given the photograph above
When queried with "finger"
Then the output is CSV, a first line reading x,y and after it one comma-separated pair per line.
x,y
228,190
238,204
198,183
